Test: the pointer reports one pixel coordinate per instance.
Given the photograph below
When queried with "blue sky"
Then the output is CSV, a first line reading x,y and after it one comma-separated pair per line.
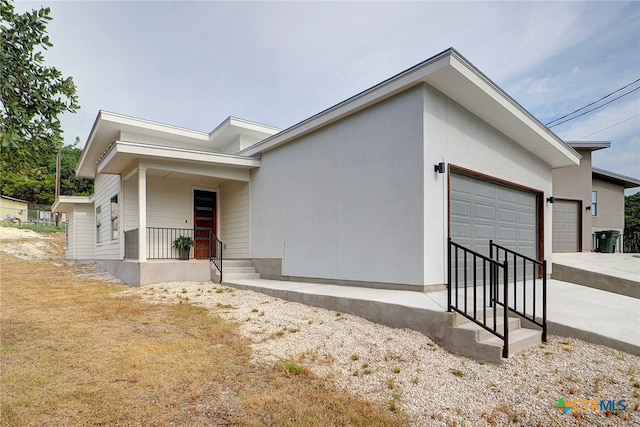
x,y
192,64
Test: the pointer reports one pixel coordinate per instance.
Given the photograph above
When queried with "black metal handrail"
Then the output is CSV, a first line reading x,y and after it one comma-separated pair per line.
x,y
525,284
160,244
215,252
478,269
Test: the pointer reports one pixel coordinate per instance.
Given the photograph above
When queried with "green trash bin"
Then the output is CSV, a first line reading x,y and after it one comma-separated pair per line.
x,y
607,241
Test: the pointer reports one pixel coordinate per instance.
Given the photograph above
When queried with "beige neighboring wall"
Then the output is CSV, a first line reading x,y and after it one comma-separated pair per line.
x,y
574,183
10,207
610,212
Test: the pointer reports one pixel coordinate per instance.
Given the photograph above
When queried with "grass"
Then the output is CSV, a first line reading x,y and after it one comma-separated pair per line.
x,y
40,228
72,353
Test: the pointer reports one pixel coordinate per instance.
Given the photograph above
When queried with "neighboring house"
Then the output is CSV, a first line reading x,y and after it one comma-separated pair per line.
x,y
13,210
587,200
365,193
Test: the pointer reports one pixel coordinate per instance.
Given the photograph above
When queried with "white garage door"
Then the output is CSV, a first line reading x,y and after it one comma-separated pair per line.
x,y
481,211
566,229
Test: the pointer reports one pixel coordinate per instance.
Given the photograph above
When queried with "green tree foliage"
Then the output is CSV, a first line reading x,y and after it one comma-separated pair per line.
x,y
632,223
32,96
632,212
70,184
41,190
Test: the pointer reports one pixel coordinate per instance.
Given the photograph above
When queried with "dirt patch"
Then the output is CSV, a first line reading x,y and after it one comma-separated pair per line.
x,y
31,246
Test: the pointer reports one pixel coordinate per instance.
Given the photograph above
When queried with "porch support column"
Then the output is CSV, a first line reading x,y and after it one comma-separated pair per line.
x,y
142,214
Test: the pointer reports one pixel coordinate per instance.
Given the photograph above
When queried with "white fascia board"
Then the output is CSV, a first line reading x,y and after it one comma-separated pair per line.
x,y
146,151
151,126
65,203
105,122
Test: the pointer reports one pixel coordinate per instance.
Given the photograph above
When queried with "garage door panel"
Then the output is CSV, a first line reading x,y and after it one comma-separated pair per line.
x,y
566,226
496,212
460,208
507,216
526,218
483,211
483,191
507,197
486,232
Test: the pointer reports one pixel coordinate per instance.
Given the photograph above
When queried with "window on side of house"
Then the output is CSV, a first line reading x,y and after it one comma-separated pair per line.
x,y
114,217
594,203
98,223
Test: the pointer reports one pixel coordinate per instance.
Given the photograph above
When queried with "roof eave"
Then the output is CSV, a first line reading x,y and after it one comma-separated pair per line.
x,y
450,73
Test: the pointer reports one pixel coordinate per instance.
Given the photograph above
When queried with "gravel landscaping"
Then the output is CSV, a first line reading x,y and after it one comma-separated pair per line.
x,y
406,371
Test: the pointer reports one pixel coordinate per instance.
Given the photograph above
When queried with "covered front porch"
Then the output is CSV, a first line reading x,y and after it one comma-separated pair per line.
x,y
167,196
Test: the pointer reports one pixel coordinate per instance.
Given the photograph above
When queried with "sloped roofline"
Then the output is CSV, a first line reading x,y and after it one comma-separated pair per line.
x,y
589,145
627,181
457,78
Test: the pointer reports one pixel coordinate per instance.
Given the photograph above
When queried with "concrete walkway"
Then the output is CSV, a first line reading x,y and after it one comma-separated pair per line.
x,y
573,311
624,266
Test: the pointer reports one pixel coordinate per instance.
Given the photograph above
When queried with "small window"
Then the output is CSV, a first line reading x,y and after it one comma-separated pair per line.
x,y
98,223
114,217
594,203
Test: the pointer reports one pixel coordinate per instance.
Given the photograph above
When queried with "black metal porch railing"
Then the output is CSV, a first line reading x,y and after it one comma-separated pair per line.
x,y
160,244
526,276
472,286
215,251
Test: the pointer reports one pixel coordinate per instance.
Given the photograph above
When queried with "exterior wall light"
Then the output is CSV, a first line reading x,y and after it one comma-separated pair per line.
x,y
551,199
440,167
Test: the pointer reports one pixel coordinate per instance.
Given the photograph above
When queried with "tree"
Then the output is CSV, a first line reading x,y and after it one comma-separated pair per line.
x,y
70,184
632,223
32,96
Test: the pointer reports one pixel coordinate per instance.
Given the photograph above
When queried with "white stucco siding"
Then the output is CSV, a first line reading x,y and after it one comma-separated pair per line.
x,y
346,202
234,219
106,186
455,136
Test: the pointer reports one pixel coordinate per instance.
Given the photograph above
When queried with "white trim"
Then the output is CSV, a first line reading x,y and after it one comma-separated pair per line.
x,y
142,214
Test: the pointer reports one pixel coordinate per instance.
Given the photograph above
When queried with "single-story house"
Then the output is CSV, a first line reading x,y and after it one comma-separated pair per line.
x,y
366,192
13,210
587,200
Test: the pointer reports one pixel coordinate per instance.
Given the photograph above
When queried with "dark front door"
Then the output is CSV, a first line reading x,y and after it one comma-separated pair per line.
x,y
204,222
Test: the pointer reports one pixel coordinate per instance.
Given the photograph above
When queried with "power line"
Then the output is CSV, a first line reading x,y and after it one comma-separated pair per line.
x,y
594,102
608,127
593,109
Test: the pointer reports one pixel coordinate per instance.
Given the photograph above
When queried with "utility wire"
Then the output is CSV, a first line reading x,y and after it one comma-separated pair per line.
x,y
608,127
593,109
594,102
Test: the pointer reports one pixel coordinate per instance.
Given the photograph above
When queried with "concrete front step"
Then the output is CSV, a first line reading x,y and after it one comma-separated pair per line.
x,y
519,339
228,277
482,333
237,269
472,340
